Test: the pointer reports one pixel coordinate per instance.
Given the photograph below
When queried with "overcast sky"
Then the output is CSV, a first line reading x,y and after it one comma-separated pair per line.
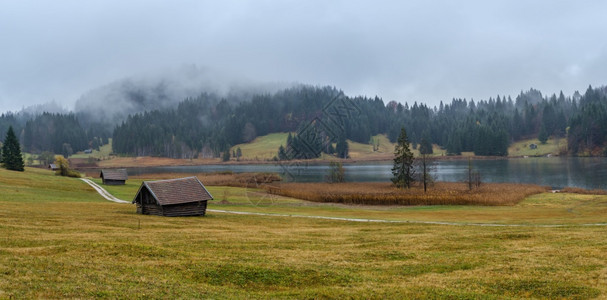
x,y
423,51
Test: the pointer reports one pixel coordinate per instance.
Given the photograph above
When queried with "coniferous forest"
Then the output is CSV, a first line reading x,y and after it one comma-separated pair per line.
x,y
208,125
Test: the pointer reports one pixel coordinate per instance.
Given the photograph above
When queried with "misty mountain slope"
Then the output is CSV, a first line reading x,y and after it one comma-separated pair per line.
x,y
112,103
209,126
153,116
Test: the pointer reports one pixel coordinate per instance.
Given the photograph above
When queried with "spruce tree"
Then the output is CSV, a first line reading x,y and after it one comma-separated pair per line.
x,y
238,153
226,155
11,152
342,147
542,136
425,147
282,155
403,162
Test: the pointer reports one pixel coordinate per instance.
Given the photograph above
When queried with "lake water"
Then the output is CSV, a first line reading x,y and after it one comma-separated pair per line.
x,y
556,172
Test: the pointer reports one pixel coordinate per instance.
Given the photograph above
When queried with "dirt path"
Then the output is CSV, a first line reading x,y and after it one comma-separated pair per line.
x,y
406,221
105,194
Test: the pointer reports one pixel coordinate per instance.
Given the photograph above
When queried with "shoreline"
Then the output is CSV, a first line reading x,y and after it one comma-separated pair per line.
x,y
148,161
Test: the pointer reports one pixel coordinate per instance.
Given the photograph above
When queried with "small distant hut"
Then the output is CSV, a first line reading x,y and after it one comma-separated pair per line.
x,y
172,197
53,167
114,176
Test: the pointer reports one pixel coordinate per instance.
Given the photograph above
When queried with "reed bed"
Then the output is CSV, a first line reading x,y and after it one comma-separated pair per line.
x,y
251,180
442,193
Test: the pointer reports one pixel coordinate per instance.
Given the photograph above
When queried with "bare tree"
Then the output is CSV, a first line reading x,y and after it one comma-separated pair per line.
x,y
474,177
426,164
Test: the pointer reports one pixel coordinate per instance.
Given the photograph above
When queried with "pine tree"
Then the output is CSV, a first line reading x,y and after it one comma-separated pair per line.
x,y
11,152
282,155
425,147
542,136
226,155
342,147
238,153
403,162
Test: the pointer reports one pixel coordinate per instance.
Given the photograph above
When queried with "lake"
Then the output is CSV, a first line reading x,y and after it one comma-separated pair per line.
x,y
557,172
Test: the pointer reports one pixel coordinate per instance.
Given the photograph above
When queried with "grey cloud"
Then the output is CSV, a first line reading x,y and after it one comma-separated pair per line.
x,y
399,50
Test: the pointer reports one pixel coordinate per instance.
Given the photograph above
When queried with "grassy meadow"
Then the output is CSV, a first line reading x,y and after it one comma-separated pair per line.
x,y
59,239
266,147
263,147
552,146
103,152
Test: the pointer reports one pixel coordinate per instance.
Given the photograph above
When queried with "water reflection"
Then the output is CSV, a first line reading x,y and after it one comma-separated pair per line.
x,y
552,171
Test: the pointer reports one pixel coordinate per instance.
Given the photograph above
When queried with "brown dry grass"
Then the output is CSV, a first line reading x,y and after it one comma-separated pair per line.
x,y
148,161
372,193
220,178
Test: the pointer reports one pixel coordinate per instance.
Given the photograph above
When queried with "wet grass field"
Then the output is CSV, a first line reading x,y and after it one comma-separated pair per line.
x,y
59,239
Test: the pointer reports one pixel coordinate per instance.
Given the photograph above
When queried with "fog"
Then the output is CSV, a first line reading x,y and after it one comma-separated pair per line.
x,y
399,50
162,89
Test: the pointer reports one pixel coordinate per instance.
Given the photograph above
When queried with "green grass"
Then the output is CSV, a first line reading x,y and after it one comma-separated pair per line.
x,y
41,185
125,192
84,247
266,147
552,146
103,152
26,160
263,147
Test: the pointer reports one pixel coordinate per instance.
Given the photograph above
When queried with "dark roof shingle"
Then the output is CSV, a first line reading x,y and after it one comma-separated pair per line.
x,y
177,191
114,174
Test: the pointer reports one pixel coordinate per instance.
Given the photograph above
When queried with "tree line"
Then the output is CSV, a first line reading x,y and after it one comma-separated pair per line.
x,y
59,133
209,125
322,119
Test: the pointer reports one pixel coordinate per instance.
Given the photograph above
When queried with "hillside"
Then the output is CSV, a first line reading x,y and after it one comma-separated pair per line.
x,y
262,147
551,147
266,148
208,125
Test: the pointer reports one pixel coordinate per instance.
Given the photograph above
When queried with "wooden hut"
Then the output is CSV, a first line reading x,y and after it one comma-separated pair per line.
x,y
53,167
113,176
172,197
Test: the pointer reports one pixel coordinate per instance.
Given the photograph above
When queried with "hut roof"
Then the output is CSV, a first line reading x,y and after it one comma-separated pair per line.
x,y
114,174
176,191
52,166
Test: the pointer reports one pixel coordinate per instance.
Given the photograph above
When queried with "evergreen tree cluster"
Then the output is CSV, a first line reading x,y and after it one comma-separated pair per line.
x,y
209,125
308,144
53,132
588,126
57,133
10,120
11,157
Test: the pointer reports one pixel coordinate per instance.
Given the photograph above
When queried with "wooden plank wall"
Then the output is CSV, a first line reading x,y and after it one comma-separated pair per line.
x,y
177,210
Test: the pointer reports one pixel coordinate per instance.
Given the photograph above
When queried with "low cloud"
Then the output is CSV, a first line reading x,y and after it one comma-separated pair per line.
x,y
398,50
